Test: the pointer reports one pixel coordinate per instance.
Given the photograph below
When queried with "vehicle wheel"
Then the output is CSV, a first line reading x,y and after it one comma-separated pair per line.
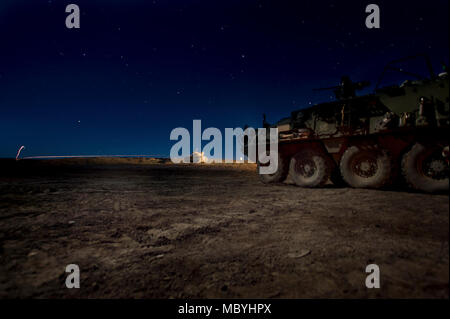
x,y
424,168
364,167
281,173
310,168
336,178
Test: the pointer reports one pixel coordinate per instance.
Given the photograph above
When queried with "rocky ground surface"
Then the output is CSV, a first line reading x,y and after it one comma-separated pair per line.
x,y
148,229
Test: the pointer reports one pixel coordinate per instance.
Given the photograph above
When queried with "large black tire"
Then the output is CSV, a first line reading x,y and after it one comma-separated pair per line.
x,y
366,167
424,168
310,168
281,173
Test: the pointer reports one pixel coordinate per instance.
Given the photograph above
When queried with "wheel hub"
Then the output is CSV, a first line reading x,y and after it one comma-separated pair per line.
x,y
365,167
305,168
435,168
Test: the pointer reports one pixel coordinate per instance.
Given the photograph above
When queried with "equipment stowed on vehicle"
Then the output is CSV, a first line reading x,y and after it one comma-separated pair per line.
x,y
367,141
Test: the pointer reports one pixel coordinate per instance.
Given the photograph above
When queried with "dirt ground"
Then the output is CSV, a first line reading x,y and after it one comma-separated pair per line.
x,y
144,229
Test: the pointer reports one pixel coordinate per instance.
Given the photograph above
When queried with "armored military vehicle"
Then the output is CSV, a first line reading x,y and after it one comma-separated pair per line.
x,y
370,141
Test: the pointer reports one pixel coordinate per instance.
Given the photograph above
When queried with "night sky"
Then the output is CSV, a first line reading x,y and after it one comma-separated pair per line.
x,y
137,69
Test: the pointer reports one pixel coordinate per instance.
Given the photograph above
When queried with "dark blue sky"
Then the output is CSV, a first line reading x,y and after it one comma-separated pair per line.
x,y
137,69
